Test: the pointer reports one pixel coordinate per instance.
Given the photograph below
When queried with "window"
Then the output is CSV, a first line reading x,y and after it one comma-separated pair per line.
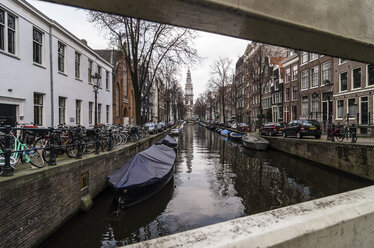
x,y
107,113
61,57
107,80
370,75
89,70
11,34
343,81
351,108
77,65
288,75
342,61
90,110
294,92
304,58
313,56
340,108
78,104
304,106
356,78
287,94
37,45
294,72
99,72
61,110
314,76
326,72
2,28
7,32
304,80
38,109
315,107
117,100
99,113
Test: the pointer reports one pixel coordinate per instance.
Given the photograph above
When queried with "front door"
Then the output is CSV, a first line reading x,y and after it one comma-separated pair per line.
x,y
364,110
8,114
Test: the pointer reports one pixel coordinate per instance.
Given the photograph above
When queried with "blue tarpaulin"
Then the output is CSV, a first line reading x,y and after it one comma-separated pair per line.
x,y
225,132
146,166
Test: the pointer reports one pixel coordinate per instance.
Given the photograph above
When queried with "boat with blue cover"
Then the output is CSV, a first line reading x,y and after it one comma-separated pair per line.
x,y
225,133
236,136
143,176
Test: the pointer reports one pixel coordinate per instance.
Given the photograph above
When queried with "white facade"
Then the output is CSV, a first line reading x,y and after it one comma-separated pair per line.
x,y
28,75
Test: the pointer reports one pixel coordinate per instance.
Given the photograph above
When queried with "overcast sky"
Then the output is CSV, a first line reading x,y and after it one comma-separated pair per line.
x,y
210,46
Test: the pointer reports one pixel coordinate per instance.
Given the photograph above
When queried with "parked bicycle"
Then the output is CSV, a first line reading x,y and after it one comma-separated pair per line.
x,y
345,132
21,152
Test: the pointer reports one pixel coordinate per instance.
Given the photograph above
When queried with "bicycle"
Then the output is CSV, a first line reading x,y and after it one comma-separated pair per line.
x,y
345,132
20,151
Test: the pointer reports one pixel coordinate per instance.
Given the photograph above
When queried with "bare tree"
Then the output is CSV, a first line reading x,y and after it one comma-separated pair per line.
x,y
260,70
200,106
146,45
220,77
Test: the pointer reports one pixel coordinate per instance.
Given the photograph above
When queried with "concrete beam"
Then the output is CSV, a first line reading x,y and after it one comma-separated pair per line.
x,y
341,29
339,221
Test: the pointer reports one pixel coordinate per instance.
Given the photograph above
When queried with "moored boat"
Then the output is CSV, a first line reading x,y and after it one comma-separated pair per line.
x,y
255,142
225,133
236,136
168,141
143,175
175,131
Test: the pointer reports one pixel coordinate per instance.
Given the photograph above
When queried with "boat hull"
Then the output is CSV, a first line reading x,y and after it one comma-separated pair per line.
x,y
127,197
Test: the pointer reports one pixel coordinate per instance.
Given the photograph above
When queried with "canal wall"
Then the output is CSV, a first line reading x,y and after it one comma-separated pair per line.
x,y
35,203
356,159
340,221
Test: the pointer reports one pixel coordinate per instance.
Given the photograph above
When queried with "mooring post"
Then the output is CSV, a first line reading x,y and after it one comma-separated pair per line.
x,y
7,168
52,157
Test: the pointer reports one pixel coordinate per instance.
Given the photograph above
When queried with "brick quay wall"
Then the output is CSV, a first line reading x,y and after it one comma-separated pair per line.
x,y
35,203
353,158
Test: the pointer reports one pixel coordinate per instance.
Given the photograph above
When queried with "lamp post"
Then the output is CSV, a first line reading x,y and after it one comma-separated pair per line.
x,y
96,89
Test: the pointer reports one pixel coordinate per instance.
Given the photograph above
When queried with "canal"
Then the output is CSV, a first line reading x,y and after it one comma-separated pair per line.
x,y
215,180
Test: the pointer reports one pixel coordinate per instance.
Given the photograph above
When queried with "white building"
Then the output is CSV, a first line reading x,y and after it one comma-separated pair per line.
x,y
46,71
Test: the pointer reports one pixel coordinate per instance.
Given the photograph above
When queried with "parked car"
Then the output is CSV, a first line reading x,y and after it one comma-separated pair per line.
x,y
272,128
300,128
150,127
161,126
243,127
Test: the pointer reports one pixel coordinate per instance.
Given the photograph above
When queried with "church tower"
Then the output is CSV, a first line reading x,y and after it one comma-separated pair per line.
x,y
189,96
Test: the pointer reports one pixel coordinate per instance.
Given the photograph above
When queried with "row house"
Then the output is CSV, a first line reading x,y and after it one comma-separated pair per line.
x,y
47,71
239,82
291,86
354,93
123,99
277,93
315,86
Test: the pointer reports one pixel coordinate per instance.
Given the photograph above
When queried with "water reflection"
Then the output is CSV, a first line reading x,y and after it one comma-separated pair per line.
x,y
215,180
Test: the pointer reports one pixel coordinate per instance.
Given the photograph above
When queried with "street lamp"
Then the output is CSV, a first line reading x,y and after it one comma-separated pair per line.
x,y
97,76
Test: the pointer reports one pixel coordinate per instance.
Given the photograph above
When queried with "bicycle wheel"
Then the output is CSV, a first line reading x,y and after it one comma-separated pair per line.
x,y
36,159
72,148
340,136
352,137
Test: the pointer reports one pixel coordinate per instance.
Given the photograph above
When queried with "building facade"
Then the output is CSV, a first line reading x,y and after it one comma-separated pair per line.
x,y
47,71
291,86
354,94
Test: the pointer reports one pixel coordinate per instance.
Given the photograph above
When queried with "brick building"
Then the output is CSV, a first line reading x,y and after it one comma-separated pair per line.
x,y
291,86
354,93
124,111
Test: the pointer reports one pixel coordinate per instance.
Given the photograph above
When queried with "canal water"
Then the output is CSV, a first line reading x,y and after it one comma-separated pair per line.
x,y
215,180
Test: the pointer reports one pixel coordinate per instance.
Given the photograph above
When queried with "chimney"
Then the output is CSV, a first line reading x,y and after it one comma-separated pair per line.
x,y
84,42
